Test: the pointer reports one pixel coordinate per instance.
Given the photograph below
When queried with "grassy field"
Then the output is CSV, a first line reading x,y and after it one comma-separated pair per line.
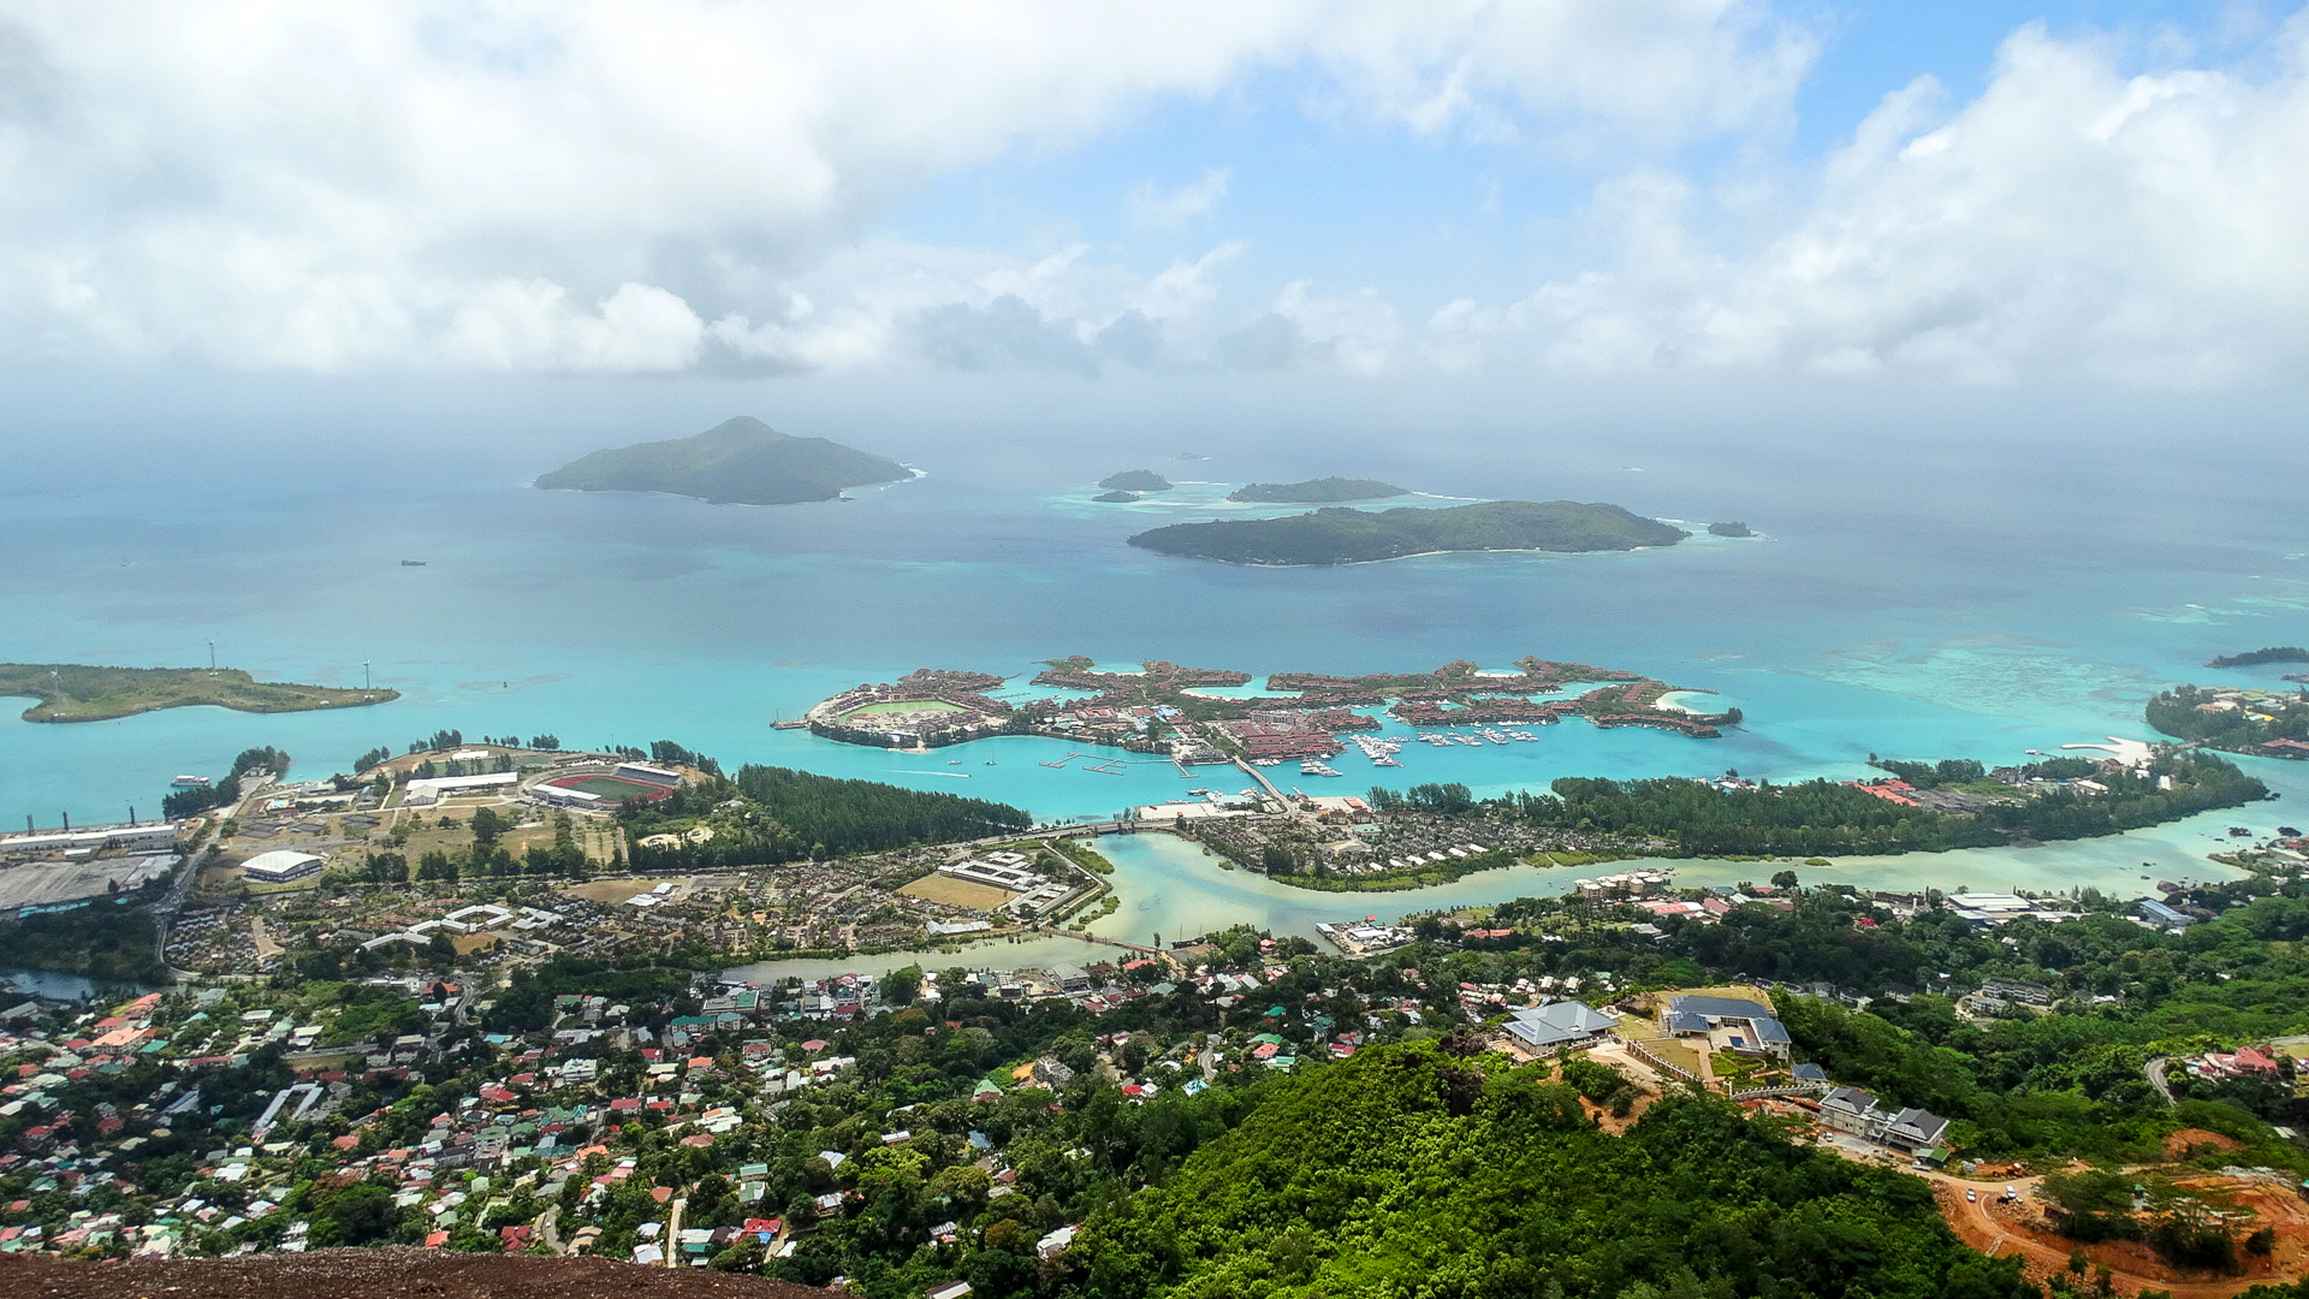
x,y
957,893
612,788
70,692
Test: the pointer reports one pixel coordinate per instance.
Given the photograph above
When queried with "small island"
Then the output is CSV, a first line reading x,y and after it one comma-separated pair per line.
x,y
75,692
1339,535
2265,723
1135,480
1317,491
1730,530
2255,658
737,462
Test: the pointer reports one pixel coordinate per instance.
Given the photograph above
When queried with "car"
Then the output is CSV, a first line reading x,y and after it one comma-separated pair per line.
x,y
1971,1195
2011,1194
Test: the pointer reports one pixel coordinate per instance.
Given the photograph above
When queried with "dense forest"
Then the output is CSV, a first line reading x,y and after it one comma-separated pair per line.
x,y
1317,491
1823,817
108,941
2254,658
1339,535
1413,1170
776,814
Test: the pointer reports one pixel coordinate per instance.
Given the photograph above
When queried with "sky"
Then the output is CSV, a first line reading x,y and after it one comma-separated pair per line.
x,y
1983,196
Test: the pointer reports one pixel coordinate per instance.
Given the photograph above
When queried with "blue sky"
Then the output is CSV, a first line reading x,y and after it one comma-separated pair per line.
x,y
2079,191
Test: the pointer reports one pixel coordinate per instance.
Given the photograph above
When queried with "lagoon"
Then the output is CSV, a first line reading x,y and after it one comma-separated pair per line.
x,y
1959,608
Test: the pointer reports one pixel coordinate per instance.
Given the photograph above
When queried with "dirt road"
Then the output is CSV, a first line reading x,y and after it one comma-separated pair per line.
x,y
1978,1225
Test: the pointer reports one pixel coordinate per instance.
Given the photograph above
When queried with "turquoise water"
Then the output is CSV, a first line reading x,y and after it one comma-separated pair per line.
x,y
1965,605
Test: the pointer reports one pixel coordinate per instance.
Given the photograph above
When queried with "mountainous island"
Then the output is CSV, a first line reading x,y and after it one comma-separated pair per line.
x,y
1317,491
1733,529
1135,480
1339,535
740,461
76,692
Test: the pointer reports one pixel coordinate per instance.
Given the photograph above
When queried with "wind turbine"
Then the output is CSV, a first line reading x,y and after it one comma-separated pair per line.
x,y
364,674
212,656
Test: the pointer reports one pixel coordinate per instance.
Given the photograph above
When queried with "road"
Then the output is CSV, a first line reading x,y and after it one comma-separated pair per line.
x,y
673,1251
2155,1069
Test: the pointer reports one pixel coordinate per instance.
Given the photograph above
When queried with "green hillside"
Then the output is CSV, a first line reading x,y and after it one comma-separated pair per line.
x,y
1407,1171
1317,491
740,461
1346,536
1136,480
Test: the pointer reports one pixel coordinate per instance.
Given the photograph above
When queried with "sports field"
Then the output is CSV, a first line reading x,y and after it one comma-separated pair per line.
x,y
906,706
613,788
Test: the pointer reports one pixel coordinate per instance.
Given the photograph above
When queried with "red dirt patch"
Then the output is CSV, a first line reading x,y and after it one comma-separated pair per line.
x,y
2179,1144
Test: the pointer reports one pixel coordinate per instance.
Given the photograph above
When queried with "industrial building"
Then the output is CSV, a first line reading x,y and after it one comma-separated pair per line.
x,y
145,835
280,866
425,793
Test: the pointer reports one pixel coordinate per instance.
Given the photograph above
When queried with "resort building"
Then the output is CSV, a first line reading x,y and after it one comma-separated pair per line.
x,y
1733,1024
1559,1026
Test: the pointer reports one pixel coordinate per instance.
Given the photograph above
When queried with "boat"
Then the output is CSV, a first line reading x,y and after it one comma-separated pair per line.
x,y
412,563
1198,793
954,762
189,782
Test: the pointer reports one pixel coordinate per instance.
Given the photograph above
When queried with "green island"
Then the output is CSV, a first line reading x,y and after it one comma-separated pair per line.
x,y
1317,491
2254,658
741,461
78,692
1116,497
1732,529
1338,535
2267,723
1135,480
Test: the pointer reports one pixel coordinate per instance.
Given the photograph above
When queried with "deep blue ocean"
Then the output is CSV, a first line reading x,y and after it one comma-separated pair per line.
x,y
1969,597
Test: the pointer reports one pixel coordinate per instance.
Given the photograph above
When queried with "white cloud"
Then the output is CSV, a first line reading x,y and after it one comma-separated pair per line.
x,y
372,183
1161,209
2072,220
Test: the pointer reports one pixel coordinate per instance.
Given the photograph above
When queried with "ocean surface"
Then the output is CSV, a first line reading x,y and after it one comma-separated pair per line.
x,y
1967,602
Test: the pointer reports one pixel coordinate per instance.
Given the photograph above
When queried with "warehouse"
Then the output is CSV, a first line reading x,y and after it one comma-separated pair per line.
x,y
280,866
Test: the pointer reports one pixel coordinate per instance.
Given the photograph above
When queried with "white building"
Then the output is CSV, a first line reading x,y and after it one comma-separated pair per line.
x,y
280,866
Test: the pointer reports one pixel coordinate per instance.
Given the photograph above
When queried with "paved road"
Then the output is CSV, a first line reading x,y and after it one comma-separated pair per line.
x,y
2155,1069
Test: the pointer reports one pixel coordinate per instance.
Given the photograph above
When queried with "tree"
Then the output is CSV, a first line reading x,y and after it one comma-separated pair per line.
x,y
1783,879
487,825
901,986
